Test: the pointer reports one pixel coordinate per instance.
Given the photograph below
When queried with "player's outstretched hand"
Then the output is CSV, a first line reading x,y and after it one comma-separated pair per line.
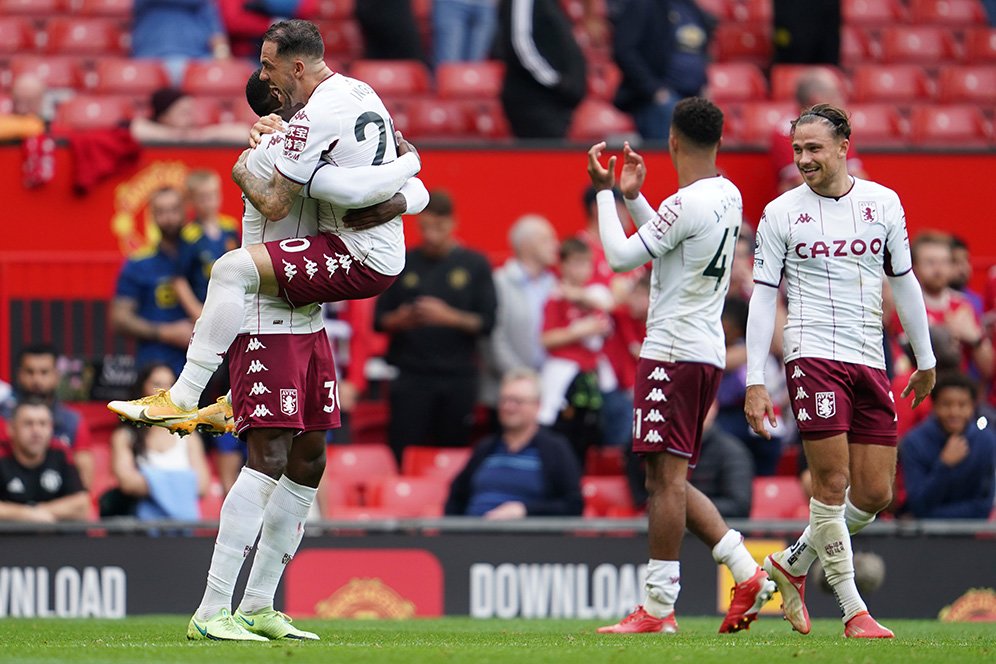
x,y
920,384
758,408
375,215
601,177
265,125
634,172
404,147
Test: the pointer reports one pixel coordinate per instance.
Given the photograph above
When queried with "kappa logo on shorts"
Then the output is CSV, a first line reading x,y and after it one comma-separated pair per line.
x,y
653,416
290,270
798,373
255,367
255,344
826,404
261,411
653,437
288,401
656,394
310,267
345,261
258,389
803,415
800,393
659,374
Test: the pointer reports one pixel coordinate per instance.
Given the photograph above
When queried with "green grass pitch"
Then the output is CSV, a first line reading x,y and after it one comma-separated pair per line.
x,y
447,640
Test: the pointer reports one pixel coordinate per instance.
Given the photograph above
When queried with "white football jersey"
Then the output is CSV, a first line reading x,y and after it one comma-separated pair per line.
x,y
345,124
833,252
692,240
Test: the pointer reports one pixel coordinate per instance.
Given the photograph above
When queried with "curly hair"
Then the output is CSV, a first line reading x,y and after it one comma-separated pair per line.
x,y
699,120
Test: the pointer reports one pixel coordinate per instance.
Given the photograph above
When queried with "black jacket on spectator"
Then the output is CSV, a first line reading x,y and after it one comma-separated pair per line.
x,y
55,477
562,477
545,73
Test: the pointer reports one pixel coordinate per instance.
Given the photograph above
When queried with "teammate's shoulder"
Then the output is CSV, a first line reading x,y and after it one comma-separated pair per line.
x,y
191,233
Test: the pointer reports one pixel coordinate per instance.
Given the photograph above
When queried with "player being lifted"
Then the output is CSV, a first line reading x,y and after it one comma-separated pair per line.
x,y
691,241
831,238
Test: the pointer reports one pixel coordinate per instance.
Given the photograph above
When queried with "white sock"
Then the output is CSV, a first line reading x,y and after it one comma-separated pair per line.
x,y
730,551
663,586
856,518
283,528
241,517
801,555
833,543
232,277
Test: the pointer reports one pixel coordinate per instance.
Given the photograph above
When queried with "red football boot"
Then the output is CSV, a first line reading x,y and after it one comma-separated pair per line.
x,y
863,626
748,598
641,622
793,592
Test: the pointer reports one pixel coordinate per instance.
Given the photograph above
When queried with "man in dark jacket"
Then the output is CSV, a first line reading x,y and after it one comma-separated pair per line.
x,y
525,470
544,68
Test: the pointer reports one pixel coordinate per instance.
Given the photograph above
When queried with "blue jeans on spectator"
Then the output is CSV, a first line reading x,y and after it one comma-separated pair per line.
x,y
653,120
617,418
990,6
463,30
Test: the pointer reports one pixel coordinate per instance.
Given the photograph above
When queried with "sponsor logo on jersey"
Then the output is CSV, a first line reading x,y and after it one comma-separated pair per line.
x,y
50,480
801,393
838,248
804,218
286,559
295,141
659,374
656,394
258,389
826,404
798,373
653,416
255,367
290,270
803,416
653,437
246,551
310,267
261,411
301,115
868,211
255,344
288,401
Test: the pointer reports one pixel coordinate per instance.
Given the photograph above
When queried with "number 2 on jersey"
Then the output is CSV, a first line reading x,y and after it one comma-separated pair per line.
x,y
360,132
717,266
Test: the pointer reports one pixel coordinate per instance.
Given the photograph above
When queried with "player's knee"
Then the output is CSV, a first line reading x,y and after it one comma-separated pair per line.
x,y
235,268
269,459
872,499
829,487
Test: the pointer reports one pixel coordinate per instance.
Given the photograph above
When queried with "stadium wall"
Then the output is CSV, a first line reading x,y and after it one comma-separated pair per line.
x,y
482,575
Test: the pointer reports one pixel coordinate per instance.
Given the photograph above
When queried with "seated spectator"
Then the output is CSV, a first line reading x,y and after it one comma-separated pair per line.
x,y
463,30
618,282
575,324
174,120
949,461
961,273
38,481
724,473
176,32
523,471
27,118
36,376
246,21
163,472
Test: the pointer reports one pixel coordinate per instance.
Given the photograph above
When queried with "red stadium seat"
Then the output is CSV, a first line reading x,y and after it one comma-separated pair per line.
x,y
606,496
487,119
603,80
743,43
855,47
103,478
434,118
722,10
85,112
212,110
925,45
392,77
218,78
336,9
753,11
736,81
210,504
56,72
968,84
784,79
358,467
760,120
90,36
470,80
596,120
17,34
948,12
878,125
604,461
343,39
950,126
441,462
127,76
117,8
412,497
892,83
33,8
353,513
779,498
873,12
980,46
338,494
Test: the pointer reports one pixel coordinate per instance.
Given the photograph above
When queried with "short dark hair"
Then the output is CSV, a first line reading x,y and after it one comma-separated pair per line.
x,y
440,203
31,402
735,310
296,37
259,96
840,123
574,246
699,120
929,236
958,243
41,348
954,381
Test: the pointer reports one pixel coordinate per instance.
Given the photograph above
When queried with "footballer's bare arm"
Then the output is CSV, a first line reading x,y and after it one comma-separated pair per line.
x,y
273,197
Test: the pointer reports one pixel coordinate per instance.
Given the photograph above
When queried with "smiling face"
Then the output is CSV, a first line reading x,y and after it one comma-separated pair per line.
x,y
820,157
281,72
954,408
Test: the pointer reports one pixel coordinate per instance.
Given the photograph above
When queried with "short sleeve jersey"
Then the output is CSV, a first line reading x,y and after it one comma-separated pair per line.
x,y
832,253
55,477
198,252
692,241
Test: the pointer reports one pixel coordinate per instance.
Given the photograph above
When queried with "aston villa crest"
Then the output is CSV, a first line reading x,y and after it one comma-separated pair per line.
x,y
826,404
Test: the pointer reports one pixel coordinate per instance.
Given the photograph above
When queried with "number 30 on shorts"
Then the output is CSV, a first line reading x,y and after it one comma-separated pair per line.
x,y
333,396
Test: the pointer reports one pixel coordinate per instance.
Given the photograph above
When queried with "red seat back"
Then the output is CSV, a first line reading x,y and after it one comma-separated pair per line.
x,y
778,498
470,80
440,462
606,496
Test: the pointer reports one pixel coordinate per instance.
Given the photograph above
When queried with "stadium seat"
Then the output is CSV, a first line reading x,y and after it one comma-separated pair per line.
x,y
17,34
338,494
743,43
469,80
103,479
218,78
487,119
890,83
855,46
33,8
778,498
211,502
358,467
84,36
753,11
736,81
947,12
335,9
784,78
950,126
878,125
924,45
605,496
760,120
86,112
968,84
604,461
595,119
62,72
438,119
343,39
116,8
127,76
603,80
440,462
412,497
212,110
722,10
980,46
873,12
354,513
392,77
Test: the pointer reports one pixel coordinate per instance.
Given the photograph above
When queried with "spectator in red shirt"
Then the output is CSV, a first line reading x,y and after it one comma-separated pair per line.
x,y
622,348
602,272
